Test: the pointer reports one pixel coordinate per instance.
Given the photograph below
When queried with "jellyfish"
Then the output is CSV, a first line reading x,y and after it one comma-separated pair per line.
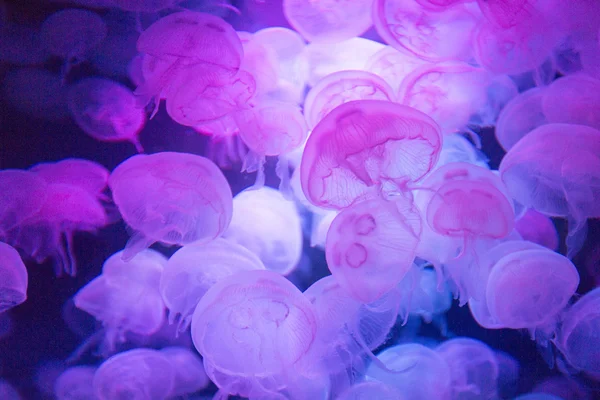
x,y
367,145
172,198
508,374
473,368
553,170
424,373
85,174
24,193
521,115
538,228
577,338
71,34
341,87
371,246
328,21
565,387
434,35
253,329
13,278
457,148
75,383
106,111
195,268
260,61
421,295
190,376
138,373
370,390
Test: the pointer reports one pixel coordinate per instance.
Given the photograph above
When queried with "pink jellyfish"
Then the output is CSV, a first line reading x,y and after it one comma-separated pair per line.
x,y
537,228
253,330
260,61
190,376
106,111
435,35
328,21
13,278
135,374
552,170
367,145
173,198
75,383
371,246
24,194
509,13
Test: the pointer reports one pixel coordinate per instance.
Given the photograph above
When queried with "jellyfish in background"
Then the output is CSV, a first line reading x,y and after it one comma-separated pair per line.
x,y
13,278
190,376
172,198
537,228
106,111
75,383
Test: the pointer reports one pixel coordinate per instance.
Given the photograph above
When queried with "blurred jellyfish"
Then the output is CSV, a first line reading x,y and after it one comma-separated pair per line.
x,y
537,228
565,387
173,198
370,390
421,295
269,226
190,376
75,383
13,278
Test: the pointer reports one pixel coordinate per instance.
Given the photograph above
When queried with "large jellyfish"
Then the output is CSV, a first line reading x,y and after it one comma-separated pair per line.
x,y
173,198
365,146
554,170
195,268
13,278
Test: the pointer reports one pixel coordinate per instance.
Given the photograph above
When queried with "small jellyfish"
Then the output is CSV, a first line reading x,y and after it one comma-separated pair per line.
x,y
457,148
473,368
71,34
371,246
434,35
135,374
195,268
75,383
190,376
252,330
537,228
172,198
106,111
13,278
367,145
328,21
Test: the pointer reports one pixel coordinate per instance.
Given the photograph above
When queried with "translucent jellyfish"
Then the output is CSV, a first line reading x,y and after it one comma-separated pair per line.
x,y
565,387
71,34
577,338
521,115
75,383
328,21
508,375
106,111
537,228
457,148
190,376
435,35
13,278
342,87
529,288
260,61
24,193
367,145
269,226
135,374
509,13
85,174
371,246
370,390
557,177
424,373
252,329
172,198
195,268
473,368
8,392
453,93
422,295
573,99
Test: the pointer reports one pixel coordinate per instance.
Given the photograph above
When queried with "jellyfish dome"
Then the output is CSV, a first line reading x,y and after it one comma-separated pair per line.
x,y
75,383
190,376
13,278
173,198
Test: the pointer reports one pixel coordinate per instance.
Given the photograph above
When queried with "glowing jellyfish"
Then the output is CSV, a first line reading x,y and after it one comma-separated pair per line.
x,y
521,115
370,390
556,176
422,373
328,21
578,335
364,146
85,174
252,329
190,376
195,268
135,374
173,198
371,246
106,111
573,99
75,383
269,226
342,87
508,374
529,288
13,278
473,368
71,34
537,228
435,35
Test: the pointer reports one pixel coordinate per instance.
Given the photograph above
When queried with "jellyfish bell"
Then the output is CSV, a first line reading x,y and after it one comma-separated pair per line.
x,y
13,286
75,383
